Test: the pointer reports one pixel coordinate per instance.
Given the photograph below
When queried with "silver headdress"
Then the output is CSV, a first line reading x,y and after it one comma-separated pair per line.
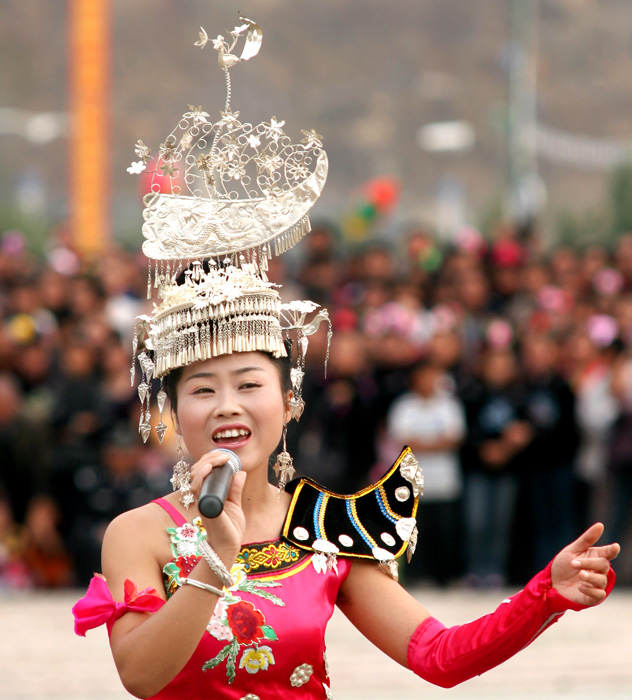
x,y
236,194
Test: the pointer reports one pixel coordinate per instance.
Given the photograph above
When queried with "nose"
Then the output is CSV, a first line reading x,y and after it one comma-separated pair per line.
x,y
227,403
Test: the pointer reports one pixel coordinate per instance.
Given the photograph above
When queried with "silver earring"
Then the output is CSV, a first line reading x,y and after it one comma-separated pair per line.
x,y
181,480
284,467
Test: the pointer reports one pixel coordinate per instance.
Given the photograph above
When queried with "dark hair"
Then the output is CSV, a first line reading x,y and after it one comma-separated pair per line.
x,y
283,365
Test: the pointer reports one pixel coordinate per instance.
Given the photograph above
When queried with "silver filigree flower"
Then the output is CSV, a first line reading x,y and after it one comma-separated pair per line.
x,y
229,118
186,141
168,170
168,149
312,138
203,40
235,169
136,167
219,43
142,151
274,130
297,170
198,115
254,141
205,162
231,146
268,161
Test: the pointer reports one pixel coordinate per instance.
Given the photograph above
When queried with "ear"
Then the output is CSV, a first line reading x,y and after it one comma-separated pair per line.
x,y
287,411
176,423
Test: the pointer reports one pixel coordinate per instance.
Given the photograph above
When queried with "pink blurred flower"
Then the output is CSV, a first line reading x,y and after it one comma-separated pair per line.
x,y
602,329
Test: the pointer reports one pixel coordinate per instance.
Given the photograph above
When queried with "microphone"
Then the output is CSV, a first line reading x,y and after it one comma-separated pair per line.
x,y
216,485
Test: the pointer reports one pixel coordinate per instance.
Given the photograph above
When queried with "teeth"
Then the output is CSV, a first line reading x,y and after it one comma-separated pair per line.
x,y
232,433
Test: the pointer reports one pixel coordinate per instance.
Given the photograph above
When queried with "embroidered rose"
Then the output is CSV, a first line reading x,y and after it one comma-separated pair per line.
x,y
256,659
245,621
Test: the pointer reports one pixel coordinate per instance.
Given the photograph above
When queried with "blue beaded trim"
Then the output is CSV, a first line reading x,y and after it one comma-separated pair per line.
x,y
382,506
317,507
357,526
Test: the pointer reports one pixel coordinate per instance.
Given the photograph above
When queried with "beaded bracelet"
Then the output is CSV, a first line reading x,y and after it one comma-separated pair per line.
x,y
216,564
203,586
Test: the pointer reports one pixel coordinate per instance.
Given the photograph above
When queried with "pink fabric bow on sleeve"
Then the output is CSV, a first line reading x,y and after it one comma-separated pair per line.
x,y
98,607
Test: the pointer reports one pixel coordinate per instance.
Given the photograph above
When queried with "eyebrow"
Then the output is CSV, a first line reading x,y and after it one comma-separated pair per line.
x,y
207,375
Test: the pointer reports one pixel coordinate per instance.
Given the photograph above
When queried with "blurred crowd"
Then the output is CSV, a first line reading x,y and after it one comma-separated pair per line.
x,y
507,369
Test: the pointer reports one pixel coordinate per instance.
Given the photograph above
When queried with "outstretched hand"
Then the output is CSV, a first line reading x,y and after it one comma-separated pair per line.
x,y
580,571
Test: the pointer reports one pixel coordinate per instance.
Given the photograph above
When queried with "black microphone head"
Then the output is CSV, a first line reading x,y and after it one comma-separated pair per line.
x,y
211,505
233,459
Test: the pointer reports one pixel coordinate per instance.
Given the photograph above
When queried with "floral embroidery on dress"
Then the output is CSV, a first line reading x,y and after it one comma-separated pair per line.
x,y
240,624
184,550
270,556
234,621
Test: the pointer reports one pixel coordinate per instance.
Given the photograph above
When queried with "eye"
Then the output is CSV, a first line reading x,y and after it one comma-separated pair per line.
x,y
249,385
203,390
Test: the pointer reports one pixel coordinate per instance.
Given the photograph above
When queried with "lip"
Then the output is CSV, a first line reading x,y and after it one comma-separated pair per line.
x,y
232,443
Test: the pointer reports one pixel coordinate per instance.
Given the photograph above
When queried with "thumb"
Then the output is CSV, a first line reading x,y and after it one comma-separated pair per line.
x,y
237,488
586,539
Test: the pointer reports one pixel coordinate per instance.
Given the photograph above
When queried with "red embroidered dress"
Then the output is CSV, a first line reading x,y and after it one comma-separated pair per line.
x,y
266,638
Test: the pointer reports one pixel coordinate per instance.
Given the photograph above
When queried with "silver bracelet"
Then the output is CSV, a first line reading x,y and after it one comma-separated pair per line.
x,y
216,564
203,586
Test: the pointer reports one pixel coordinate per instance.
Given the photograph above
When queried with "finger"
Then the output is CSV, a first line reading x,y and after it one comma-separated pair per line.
x,y
237,488
606,551
594,596
599,564
204,466
586,539
610,551
593,579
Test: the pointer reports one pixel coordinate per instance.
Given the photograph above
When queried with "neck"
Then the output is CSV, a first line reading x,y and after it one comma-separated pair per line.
x,y
264,510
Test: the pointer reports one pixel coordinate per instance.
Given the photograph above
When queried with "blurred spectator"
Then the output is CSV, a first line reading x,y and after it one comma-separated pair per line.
x,y
96,491
590,359
79,416
549,407
49,564
65,354
497,437
23,448
14,572
431,420
619,461
119,396
338,428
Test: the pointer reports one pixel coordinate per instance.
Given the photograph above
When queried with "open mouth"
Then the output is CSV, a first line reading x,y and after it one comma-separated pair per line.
x,y
231,436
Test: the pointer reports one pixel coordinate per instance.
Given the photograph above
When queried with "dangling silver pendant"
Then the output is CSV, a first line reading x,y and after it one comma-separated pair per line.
x,y
284,469
284,466
181,481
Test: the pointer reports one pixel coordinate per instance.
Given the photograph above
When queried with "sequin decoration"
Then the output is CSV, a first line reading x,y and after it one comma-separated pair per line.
x,y
345,540
301,675
388,539
301,533
410,470
405,527
402,493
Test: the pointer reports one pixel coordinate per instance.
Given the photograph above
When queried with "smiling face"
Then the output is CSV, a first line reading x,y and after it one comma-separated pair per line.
x,y
233,401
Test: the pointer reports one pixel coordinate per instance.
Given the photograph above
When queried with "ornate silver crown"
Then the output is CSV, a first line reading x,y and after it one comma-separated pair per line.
x,y
233,187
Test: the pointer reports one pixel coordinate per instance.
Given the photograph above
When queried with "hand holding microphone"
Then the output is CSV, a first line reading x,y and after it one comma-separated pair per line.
x,y
216,485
